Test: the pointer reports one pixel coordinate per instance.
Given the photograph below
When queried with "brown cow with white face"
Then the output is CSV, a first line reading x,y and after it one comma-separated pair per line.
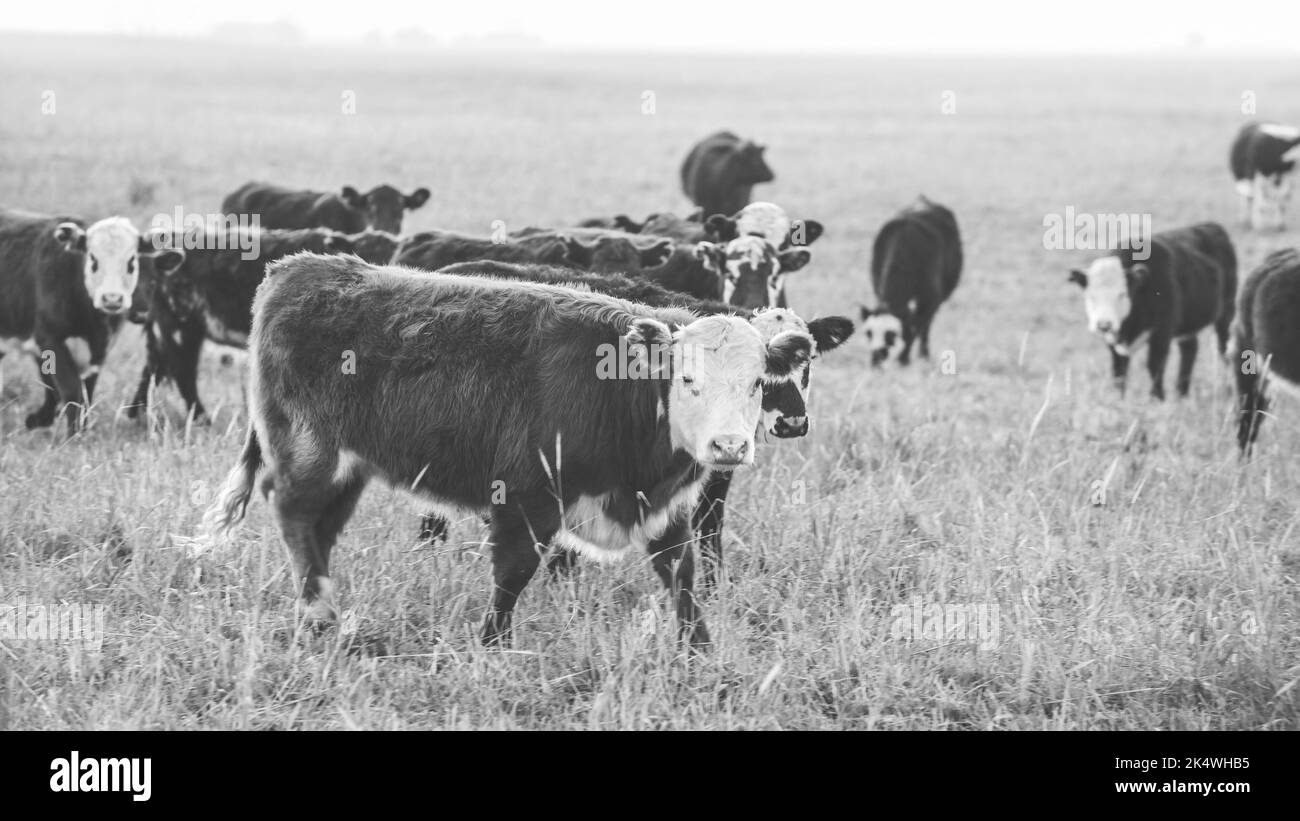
x,y
569,416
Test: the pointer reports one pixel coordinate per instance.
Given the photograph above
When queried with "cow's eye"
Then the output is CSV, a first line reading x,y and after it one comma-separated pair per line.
x,y
94,265
130,265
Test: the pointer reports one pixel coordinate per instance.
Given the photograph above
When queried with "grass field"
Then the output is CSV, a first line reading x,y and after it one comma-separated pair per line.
x,y
1132,573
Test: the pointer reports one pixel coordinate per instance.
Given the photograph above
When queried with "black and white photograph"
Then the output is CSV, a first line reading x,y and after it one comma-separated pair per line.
x,y
670,366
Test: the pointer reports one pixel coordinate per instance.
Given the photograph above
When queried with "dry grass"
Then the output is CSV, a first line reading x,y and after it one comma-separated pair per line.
x,y
1171,605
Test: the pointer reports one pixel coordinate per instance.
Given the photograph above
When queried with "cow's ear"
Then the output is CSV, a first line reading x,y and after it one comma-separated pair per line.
x,y
710,255
787,353
167,260
352,197
1078,277
647,340
829,332
417,198
720,227
804,232
652,256
624,223
71,236
1139,274
793,260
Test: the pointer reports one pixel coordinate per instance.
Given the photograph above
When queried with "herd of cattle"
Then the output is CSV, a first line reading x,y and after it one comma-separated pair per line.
x,y
590,387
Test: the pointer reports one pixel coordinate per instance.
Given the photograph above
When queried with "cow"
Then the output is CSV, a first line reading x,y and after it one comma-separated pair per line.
x,y
1187,283
604,251
785,413
564,415
347,210
689,229
1266,340
1262,159
60,281
210,298
375,247
751,270
432,250
720,172
915,266
766,220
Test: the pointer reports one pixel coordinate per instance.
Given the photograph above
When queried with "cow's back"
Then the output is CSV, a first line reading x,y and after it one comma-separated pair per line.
x,y
277,207
708,176
1203,267
910,257
1268,314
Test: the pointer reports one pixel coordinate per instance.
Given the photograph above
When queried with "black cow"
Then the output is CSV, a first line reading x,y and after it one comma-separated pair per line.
x,y
432,250
60,281
210,297
564,415
1187,283
603,250
1262,159
348,210
915,266
785,413
1266,339
720,172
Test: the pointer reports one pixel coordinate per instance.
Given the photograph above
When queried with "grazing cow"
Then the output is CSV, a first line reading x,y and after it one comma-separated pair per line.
x,y
785,413
210,298
375,247
563,415
1262,159
1187,284
432,250
1266,339
915,266
604,251
751,270
720,172
766,220
348,210
61,281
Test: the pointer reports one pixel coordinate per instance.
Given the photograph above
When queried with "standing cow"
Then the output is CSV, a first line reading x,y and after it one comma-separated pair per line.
x,y
62,281
720,172
210,298
1263,159
1187,283
1266,339
347,210
569,416
915,266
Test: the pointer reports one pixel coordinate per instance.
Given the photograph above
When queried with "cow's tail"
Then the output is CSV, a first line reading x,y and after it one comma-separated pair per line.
x,y
232,502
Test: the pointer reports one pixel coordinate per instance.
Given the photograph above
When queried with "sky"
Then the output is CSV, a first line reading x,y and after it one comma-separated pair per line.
x,y
999,26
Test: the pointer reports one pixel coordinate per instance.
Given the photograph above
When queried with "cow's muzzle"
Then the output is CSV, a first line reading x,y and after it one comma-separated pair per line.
x,y
790,427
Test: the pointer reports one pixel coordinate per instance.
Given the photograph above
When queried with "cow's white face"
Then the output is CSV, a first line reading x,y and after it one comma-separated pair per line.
x,y
719,366
885,336
1271,194
1106,299
765,219
111,248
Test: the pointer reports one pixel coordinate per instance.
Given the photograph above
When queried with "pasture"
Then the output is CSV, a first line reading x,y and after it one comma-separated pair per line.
x,y
1129,571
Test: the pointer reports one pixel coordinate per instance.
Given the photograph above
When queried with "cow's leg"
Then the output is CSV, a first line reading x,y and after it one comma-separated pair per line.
x,y
708,522
674,561
1252,406
1222,329
1157,357
62,385
1186,359
312,504
924,316
152,373
184,368
1118,370
520,533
